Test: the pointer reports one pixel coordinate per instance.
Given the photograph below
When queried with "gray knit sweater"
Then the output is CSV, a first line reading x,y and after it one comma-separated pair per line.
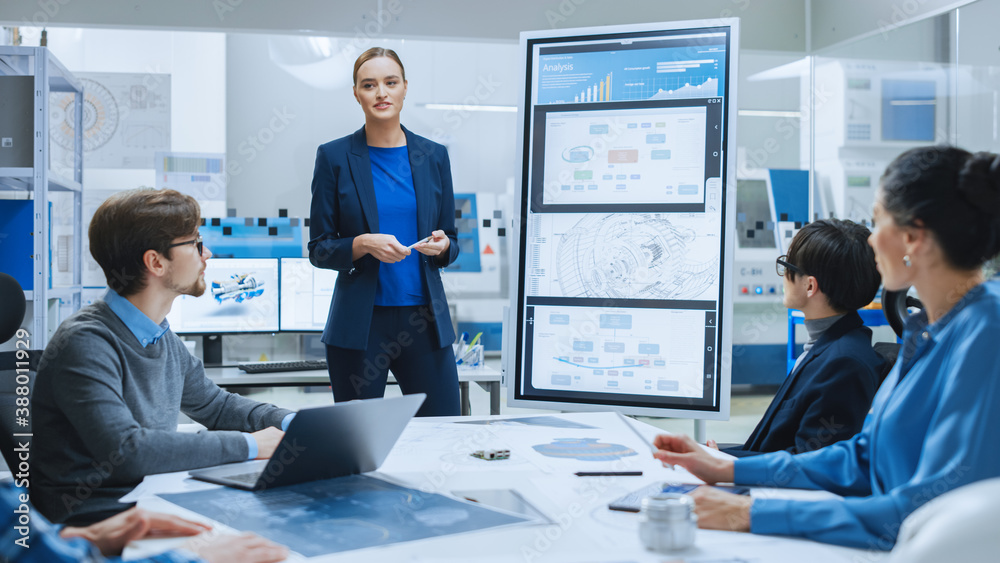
x,y
105,413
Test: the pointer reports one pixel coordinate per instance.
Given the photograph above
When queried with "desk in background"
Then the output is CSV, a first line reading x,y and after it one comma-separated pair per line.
x,y
486,377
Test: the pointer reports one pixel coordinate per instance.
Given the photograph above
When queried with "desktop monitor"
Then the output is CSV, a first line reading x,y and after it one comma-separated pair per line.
x,y
306,293
624,245
241,296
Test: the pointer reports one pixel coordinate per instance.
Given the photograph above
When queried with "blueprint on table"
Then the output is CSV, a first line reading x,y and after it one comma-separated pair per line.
x,y
333,515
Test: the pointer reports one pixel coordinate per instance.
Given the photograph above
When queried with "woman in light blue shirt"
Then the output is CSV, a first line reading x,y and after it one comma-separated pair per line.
x,y
935,422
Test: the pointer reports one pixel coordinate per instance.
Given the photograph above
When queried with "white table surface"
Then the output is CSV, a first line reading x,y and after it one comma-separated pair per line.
x,y
433,455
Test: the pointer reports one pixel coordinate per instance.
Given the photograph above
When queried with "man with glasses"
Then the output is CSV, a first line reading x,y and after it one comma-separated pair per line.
x,y
828,273
114,378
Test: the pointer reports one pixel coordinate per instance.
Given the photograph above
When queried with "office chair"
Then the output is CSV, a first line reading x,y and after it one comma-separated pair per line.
x,y
12,309
896,306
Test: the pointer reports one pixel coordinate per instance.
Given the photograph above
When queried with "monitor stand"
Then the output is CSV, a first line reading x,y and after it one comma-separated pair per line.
x,y
211,346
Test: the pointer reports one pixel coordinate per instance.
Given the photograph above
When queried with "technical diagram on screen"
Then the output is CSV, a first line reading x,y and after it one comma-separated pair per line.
x,y
623,279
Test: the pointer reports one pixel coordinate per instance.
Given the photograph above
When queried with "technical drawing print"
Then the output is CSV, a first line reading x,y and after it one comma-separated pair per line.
x,y
337,515
584,449
126,119
623,256
100,117
648,155
657,352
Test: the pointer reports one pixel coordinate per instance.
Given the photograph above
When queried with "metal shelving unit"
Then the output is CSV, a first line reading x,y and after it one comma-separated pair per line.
x,y
38,180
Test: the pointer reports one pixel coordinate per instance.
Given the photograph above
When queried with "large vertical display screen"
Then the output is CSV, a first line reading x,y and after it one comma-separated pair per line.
x,y
625,233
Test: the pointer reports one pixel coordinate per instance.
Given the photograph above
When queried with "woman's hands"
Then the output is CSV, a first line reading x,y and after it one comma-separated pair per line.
x,y
679,449
245,548
438,244
719,510
716,510
389,250
113,534
383,247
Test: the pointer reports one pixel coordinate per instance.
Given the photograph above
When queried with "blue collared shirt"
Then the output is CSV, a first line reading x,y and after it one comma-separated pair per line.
x,y
933,427
148,332
145,330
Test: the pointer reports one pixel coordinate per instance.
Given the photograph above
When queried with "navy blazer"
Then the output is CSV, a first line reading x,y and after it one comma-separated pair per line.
x,y
343,207
826,397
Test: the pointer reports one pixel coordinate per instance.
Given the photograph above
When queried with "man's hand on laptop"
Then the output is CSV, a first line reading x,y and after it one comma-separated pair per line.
x,y
267,441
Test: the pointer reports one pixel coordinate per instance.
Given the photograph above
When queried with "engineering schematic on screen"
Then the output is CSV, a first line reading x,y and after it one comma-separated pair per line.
x,y
621,284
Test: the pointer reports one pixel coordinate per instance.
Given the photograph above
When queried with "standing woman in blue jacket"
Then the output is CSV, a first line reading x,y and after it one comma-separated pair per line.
x,y
383,216
935,421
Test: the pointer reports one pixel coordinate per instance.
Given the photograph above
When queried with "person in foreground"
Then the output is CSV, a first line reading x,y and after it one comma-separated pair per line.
x,y
377,194
828,274
114,379
105,540
936,418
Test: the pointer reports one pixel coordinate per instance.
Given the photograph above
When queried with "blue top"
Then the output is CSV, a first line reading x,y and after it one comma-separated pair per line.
x,y
343,208
934,426
43,544
147,332
399,284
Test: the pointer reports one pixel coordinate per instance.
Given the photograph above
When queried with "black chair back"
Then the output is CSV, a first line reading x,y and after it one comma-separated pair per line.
x,y
896,307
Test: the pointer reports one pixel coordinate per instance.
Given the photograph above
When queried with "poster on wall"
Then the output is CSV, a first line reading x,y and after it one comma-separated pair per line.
x,y
126,120
199,175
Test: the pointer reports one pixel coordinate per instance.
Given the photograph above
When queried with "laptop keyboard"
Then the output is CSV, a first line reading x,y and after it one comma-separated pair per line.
x,y
275,367
246,478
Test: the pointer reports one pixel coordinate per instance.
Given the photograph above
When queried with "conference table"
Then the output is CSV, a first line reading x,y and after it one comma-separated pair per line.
x,y
231,376
566,516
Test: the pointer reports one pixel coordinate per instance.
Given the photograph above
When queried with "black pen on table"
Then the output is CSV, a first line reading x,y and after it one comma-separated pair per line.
x,y
608,474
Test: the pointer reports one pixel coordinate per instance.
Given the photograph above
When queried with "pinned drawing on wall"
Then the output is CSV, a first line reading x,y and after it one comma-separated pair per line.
x,y
126,120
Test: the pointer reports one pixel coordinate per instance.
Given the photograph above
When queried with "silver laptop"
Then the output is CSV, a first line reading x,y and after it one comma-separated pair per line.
x,y
324,442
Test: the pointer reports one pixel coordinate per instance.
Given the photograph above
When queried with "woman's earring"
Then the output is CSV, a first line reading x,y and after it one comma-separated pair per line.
x,y
906,260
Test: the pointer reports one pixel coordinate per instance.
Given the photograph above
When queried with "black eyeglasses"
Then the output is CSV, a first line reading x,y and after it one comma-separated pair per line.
x,y
196,242
781,266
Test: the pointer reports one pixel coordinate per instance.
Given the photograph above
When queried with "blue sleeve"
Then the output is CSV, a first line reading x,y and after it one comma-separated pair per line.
x,y
42,544
252,446
286,421
446,213
327,249
840,468
958,448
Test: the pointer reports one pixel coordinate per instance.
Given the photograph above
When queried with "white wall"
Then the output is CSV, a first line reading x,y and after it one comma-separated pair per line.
x,y
768,24
196,64
279,113
978,71
769,141
833,22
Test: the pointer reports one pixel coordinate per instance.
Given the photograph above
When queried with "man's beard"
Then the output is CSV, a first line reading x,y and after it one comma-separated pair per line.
x,y
196,289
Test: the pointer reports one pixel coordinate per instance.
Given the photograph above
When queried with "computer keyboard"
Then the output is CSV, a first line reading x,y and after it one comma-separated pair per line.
x,y
273,367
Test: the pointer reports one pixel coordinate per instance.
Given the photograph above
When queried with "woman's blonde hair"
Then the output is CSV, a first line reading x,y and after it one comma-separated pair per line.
x,y
373,53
